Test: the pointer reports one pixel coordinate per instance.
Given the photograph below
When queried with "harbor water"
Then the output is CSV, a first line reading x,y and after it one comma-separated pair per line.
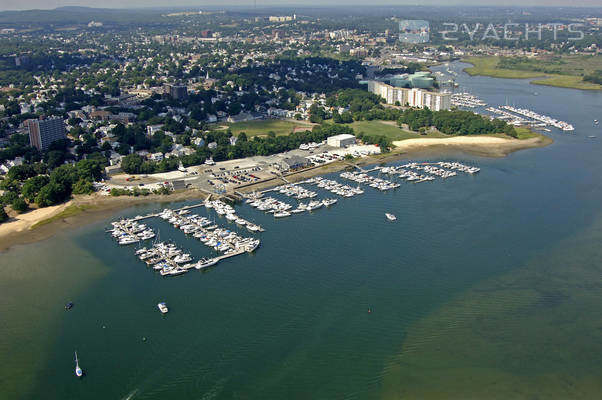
x,y
486,286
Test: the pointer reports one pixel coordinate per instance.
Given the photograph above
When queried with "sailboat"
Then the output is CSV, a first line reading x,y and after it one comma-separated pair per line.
x,y
78,371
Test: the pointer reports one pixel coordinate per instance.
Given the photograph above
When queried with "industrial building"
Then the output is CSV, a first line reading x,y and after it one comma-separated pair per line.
x,y
294,162
42,132
413,97
343,140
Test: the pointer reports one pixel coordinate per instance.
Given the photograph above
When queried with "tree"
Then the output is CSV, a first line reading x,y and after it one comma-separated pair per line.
x,y
51,194
3,215
83,186
123,149
19,205
21,172
32,186
131,163
106,146
55,158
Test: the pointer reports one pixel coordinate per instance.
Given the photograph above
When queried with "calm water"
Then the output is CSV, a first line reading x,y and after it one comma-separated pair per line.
x,y
487,284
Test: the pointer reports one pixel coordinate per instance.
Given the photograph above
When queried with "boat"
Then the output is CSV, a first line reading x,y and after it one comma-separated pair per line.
x,y
282,214
390,217
78,371
206,262
68,306
128,240
163,308
177,271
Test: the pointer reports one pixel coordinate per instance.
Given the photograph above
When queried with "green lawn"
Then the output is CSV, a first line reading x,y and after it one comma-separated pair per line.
x,y
388,129
567,72
257,128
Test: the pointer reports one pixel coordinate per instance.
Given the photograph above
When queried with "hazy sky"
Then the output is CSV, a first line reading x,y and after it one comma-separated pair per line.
x,y
46,4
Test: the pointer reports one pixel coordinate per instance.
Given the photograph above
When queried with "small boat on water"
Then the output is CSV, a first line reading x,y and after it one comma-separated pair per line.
x,y
78,371
163,308
69,306
391,217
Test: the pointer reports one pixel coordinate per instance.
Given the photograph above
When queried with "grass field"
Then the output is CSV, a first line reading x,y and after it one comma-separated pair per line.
x,y
262,127
388,129
567,73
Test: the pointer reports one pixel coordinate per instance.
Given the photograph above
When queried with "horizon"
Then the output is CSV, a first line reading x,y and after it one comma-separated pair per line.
x,y
34,5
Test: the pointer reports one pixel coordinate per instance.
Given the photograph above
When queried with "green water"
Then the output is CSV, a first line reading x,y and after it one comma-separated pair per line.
x,y
487,286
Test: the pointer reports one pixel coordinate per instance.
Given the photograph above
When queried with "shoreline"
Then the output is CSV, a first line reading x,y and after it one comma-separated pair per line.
x,y
41,224
535,77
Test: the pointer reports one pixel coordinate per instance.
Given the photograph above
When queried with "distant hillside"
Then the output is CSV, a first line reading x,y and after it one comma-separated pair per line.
x,y
71,15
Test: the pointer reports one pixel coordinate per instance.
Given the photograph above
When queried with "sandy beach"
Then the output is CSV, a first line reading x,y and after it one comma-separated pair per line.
x,y
34,225
42,223
480,145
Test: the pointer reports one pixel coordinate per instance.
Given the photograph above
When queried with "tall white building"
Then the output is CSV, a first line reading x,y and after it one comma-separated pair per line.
x,y
414,97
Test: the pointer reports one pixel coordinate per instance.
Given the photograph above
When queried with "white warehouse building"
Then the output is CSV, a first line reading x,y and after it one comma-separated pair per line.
x,y
343,140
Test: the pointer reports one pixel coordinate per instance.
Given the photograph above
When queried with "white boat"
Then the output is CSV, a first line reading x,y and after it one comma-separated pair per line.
x,y
178,271
78,371
390,217
128,240
282,214
204,263
182,258
163,308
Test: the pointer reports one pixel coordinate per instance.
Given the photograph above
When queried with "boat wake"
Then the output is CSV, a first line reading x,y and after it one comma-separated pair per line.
x,y
131,394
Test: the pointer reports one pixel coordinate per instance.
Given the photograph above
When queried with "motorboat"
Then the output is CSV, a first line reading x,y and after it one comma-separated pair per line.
x,y
163,308
282,214
78,371
206,262
391,217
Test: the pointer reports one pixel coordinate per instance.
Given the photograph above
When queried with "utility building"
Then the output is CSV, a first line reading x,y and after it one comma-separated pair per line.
x,y
343,140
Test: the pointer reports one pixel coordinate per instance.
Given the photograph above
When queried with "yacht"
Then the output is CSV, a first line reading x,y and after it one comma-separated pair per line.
x,y
206,262
128,240
282,214
314,205
163,308
182,258
78,371
390,217
177,271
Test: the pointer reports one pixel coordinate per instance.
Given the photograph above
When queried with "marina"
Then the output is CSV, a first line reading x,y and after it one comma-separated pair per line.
x,y
514,115
168,259
466,100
